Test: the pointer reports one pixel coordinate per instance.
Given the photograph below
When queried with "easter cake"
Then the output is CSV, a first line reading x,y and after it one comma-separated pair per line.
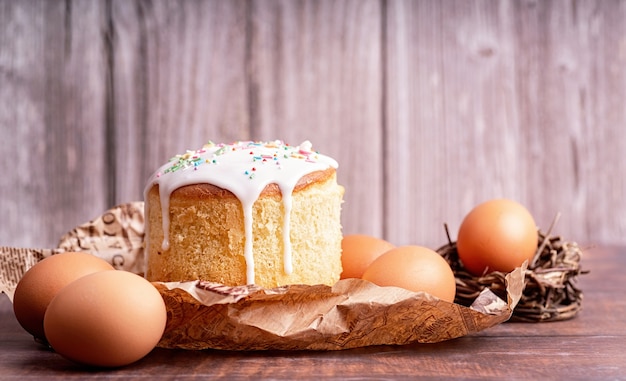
x,y
263,213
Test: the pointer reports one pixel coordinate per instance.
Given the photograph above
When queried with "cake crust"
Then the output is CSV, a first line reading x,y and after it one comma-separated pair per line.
x,y
203,190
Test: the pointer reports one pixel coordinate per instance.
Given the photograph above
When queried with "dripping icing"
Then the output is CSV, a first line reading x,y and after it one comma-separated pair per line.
x,y
244,168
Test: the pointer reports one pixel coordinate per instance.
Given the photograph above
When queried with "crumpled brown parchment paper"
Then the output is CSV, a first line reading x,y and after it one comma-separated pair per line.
x,y
202,315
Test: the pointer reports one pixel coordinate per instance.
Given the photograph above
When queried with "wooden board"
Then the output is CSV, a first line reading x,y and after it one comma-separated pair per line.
x,y
589,347
429,107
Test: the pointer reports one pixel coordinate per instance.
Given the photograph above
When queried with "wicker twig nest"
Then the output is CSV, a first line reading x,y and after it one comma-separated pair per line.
x,y
550,293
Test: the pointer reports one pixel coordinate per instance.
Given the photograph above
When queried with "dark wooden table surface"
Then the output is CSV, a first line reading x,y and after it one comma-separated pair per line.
x,y
590,346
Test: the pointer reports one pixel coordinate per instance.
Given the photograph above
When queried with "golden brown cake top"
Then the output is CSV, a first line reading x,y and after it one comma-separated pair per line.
x,y
245,168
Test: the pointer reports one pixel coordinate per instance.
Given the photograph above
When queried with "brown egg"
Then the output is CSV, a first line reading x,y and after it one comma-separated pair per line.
x,y
414,268
41,283
497,235
106,319
358,251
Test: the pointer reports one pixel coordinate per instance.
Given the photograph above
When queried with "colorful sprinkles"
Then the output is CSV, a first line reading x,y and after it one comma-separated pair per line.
x,y
260,152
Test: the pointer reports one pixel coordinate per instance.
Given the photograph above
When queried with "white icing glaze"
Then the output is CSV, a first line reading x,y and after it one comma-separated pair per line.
x,y
245,169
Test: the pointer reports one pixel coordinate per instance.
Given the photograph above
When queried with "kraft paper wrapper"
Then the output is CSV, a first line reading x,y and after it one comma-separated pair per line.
x,y
202,315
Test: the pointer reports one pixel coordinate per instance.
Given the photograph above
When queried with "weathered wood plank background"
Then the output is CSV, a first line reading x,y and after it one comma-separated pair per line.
x,y
430,107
